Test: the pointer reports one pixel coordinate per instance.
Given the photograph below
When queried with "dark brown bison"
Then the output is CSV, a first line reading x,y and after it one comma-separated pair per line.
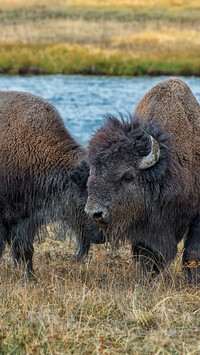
x,y
37,154
144,176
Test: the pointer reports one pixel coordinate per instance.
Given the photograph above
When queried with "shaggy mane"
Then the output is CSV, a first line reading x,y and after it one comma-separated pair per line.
x,y
132,133
132,136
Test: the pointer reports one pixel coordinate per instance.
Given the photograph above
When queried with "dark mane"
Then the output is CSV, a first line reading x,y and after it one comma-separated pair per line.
x,y
132,134
134,128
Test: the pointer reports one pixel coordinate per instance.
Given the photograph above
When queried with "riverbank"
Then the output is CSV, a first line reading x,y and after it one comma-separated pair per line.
x,y
98,37
66,59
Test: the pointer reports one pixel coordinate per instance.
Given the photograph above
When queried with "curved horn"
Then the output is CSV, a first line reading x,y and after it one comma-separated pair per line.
x,y
152,158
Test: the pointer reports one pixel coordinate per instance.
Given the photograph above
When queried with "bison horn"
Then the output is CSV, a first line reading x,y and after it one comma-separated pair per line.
x,y
152,158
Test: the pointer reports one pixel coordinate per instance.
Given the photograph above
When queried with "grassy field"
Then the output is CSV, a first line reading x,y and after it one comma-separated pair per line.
x,y
100,37
96,306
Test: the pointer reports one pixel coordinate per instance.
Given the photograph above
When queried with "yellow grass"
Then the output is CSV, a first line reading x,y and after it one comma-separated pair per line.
x,y
96,306
162,35
148,40
98,3
61,31
60,39
131,3
110,35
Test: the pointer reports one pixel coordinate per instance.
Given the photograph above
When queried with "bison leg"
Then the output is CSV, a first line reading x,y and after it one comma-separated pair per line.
x,y
23,255
153,259
191,254
4,236
83,250
150,263
23,237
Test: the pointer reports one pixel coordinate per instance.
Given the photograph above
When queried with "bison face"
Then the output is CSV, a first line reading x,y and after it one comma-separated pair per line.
x,y
119,155
115,195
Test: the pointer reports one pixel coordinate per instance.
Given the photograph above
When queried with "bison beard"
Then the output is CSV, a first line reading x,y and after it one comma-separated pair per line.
x,y
153,202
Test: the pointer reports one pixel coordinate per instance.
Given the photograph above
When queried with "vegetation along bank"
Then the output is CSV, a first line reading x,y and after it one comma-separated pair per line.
x,y
100,37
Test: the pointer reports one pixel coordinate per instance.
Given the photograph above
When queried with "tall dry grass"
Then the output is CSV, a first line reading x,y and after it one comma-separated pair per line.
x,y
115,37
132,3
11,4
96,306
79,45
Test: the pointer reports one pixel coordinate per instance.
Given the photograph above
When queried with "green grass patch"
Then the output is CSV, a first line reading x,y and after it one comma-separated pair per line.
x,y
64,59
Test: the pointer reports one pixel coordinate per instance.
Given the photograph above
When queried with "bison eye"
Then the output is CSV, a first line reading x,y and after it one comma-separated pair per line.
x,y
128,177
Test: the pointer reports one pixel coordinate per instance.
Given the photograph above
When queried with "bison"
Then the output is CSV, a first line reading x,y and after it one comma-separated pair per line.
x,y
37,154
144,176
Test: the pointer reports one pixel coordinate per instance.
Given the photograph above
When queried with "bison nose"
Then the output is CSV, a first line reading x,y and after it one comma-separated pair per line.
x,y
99,215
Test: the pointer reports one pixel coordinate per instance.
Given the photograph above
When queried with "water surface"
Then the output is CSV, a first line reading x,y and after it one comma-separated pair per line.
x,y
84,101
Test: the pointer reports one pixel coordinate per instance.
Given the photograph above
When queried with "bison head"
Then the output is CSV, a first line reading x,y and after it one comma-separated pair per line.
x,y
126,165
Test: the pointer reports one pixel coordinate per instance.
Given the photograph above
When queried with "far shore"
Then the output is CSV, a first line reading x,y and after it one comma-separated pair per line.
x,y
100,37
64,59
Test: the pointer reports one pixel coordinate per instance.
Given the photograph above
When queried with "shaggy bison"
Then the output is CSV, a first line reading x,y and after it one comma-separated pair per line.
x,y
144,176
37,154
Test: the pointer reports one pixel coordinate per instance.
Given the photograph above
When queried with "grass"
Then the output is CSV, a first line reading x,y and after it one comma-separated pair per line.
x,y
99,3
96,306
100,37
66,59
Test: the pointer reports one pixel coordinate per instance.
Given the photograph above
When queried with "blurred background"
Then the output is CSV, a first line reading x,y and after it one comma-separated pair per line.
x,y
114,37
117,46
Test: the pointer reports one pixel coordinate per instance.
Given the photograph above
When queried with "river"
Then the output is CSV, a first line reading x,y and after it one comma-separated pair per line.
x,y
84,101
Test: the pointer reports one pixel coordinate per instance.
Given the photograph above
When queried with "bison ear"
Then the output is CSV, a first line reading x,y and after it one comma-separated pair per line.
x,y
80,174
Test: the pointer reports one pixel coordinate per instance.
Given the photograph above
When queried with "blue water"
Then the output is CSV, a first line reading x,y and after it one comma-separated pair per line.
x,y
84,101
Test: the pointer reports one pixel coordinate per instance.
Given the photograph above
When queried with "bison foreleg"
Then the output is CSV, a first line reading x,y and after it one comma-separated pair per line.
x,y
191,254
4,236
23,237
24,255
151,260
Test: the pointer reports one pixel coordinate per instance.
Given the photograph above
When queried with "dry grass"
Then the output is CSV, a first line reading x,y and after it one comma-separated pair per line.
x,y
96,307
132,3
72,32
151,41
110,35
11,4
115,37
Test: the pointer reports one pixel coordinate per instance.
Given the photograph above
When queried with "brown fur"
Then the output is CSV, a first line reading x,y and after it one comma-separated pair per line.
x,y
37,154
176,108
173,103
154,207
